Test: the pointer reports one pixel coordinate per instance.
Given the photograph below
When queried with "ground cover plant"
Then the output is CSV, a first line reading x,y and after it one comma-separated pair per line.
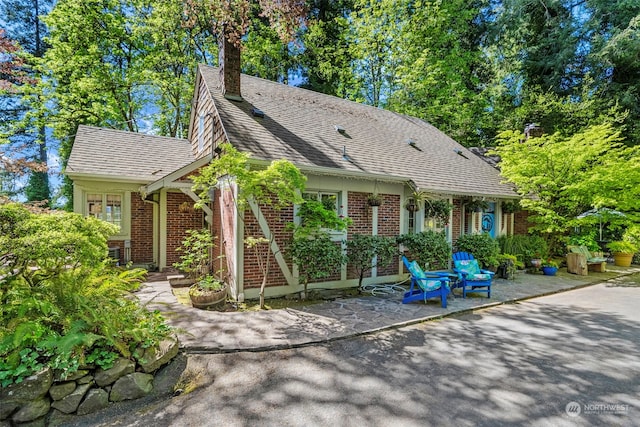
x,y
63,304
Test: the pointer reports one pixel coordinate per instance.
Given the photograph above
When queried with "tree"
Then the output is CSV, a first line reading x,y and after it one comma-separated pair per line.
x,y
279,185
440,69
24,127
375,25
326,57
122,64
364,252
561,176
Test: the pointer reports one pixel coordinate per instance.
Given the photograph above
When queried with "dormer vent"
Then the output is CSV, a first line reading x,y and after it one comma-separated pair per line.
x,y
340,129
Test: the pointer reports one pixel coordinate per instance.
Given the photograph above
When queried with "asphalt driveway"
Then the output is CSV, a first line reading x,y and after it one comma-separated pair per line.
x,y
563,360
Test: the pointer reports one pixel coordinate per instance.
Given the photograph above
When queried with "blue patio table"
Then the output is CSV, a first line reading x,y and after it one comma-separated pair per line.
x,y
451,275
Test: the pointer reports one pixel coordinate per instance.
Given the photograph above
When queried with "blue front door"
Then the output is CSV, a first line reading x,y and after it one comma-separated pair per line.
x,y
489,220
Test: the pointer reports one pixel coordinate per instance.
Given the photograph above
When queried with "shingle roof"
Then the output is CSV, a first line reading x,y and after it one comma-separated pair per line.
x,y
299,125
126,155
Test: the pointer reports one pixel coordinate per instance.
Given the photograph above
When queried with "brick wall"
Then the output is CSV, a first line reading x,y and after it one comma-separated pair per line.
x,y
456,219
277,221
180,217
389,225
521,223
141,230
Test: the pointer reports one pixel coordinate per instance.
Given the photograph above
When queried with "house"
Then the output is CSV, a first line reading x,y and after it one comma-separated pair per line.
x,y
347,150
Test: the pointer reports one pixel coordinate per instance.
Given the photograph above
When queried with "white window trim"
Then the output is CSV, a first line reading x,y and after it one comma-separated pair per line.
x,y
123,233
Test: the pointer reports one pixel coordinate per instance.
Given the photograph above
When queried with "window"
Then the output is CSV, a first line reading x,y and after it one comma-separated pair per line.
x,y
330,201
107,207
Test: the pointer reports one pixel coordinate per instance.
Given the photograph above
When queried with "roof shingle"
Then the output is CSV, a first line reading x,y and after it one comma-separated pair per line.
x,y
126,155
300,125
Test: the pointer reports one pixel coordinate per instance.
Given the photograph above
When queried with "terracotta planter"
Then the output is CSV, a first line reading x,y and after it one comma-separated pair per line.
x,y
536,263
622,259
209,299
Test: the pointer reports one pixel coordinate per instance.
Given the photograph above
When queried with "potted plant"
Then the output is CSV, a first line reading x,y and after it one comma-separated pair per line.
x,y
622,251
508,266
414,200
477,205
439,209
208,292
374,199
549,267
194,261
510,206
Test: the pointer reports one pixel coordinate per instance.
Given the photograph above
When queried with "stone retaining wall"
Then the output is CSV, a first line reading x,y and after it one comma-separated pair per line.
x,y
45,396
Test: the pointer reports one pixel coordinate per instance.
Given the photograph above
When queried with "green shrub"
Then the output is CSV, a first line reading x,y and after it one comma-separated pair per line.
x,y
62,303
587,240
430,248
524,246
482,246
363,249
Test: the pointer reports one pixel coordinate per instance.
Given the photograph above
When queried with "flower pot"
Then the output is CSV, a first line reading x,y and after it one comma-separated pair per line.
x,y
622,259
181,282
209,299
549,271
536,263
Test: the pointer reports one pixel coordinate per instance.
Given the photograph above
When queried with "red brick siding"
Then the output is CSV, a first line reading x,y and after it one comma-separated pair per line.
x,y
277,221
389,225
141,230
361,215
180,217
521,223
456,220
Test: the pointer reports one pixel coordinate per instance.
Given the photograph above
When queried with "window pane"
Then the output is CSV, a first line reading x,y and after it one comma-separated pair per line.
x,y
94,205
114,209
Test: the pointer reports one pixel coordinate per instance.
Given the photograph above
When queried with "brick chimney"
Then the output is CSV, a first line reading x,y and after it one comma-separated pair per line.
x,y
229,63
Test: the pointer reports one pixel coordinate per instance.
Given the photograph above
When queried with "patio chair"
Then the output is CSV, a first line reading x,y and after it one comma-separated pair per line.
x,y
580,261
424,287
471,277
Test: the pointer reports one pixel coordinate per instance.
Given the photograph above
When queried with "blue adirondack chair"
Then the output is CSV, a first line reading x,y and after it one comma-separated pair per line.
x,y
423,286
470,277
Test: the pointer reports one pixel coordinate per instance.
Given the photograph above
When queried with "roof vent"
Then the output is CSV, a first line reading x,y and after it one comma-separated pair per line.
x,y
345,156
412,143
256,112
460,153
340,129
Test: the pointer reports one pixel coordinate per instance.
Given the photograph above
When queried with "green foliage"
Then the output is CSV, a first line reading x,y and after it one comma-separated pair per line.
x,y
482,246
62,303
525,247
317,257
622,246
565,174
365,252
439,209
196,253
587,240
315,217
279,185
430,248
